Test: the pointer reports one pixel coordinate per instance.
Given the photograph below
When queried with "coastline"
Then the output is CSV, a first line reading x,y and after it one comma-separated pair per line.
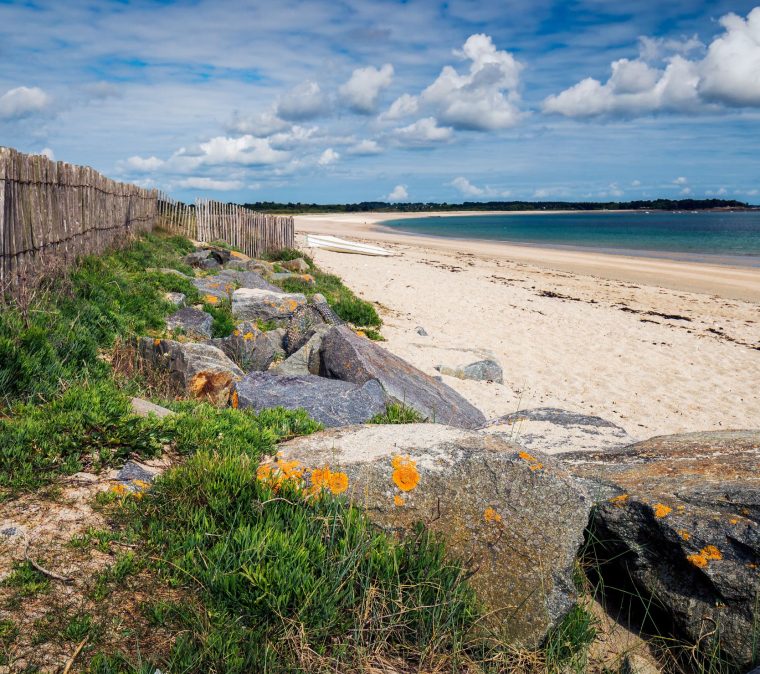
x,y
724,280
654,345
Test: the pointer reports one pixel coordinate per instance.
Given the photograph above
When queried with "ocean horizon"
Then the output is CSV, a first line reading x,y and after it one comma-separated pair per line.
x,y
718,237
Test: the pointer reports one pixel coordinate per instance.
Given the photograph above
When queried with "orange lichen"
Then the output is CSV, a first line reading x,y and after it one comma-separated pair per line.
x,y
236,332
536,466
405,475
684,534
527,457
361,333
292,305
120,489
234,400
707,554
619,499
141,484
324,478
338,482
711,552
398,501
156,342
248,336
214,285
661,510
734,520
211,299
490,515
264,471
697,560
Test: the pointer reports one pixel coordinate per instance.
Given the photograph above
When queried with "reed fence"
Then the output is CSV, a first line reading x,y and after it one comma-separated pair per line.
x,y
53,212
251,232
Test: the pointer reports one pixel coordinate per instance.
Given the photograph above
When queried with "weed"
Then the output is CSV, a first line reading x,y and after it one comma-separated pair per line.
x,y
79,627
26,580
398,413
567,644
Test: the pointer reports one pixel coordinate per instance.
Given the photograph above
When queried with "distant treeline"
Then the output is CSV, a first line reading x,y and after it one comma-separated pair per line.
x,y
382,206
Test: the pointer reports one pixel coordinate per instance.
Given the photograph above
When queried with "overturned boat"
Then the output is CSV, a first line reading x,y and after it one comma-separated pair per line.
x,y
342,246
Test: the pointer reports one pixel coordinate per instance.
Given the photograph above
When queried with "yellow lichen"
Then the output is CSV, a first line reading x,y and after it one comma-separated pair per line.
x,y
734,520
711,552
619,499
211,299
697,560
661,510
236,332
248,336
405,475
156,342
398,501
490,515
527,457
234,400
141,484
684,534
119,489
707,554
361,333
338,482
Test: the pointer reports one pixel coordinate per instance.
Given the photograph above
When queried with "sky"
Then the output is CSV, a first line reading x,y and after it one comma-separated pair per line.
x,y
333,101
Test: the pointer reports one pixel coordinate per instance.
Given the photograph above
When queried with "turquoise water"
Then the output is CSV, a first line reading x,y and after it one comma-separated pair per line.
x,y
727,237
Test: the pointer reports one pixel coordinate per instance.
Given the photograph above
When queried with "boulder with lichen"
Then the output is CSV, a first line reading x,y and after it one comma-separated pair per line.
x,y
254,304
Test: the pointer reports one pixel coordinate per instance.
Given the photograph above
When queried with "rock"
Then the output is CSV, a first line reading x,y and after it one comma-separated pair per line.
x,y
11,531
222,255
177,299
246,279
248,347
348,357
308,279
306,320
202,259
145,408
276,339
236,255
677,522
331,402
482,370
261,267
553,431
635,663
421,331
299,265
191,321
136,471
515,519
307,359
318,301
200,370
237,265
167,270
254,304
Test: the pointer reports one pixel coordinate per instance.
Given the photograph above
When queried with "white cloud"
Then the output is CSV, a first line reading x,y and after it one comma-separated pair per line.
x,y
423,132
22,102
468,189
246,149
261,124
304,101
293,137
145,164
364,86
329,156
728,74
485,98
403,106
398,193
201,183
365,147
731,69
722,191
47,152
680,181
636,183
685,191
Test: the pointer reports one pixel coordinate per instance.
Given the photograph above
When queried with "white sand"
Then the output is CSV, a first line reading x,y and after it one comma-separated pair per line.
x,y
583,352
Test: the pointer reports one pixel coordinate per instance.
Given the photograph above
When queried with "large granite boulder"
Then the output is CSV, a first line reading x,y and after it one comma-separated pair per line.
x,y
552,430
214,289
331,402
246,279
191,322
248,347
678,521
254,304
306,279
299,265
515,519
210,257
307,359
349,357
305,322
200,370
482,370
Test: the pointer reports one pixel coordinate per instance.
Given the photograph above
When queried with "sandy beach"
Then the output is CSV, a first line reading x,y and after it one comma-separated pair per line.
x,y
657,346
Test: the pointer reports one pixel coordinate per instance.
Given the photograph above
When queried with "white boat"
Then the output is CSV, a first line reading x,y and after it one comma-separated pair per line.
x,y
342,246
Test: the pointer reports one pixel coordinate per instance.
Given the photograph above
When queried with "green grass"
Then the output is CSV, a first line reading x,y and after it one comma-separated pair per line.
x,y
567,644
26,580
398,413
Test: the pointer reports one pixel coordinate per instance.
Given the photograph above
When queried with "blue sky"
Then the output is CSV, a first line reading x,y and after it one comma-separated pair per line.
x,y
352,100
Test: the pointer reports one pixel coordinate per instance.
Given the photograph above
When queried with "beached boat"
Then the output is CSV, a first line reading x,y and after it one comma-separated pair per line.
x,y
342,246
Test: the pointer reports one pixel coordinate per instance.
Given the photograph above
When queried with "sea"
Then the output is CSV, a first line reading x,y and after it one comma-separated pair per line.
x,y
720,237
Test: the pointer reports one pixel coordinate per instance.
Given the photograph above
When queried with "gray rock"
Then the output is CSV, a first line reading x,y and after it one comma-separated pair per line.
x,y
202,259
307,359
331,402
305,322
261,267
246,279
12,531
299,265
248,347
221,255
318,301
421,331
191,321
177,299
482,370
276,339
200,370
214,289
516,520
145,408
255,304
554,431
308,279
136,471
681,531
167,270
348,357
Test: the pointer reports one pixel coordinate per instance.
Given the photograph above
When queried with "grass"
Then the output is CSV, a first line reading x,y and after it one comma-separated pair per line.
x,y
398,413
26,580
341,298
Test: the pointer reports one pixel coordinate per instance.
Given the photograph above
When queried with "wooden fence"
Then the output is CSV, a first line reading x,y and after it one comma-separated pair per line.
x,y
251,232
53,212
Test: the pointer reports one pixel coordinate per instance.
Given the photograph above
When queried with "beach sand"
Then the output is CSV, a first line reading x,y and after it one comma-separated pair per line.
x,y
654,345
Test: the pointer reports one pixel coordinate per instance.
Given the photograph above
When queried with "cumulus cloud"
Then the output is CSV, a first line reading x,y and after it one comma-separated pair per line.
x,y
363,88
144,164
261,124
728,74
23,102
423,132
398,193
329,156
468,189
365,147
403,106
680,181
47,152
304,101
246,149
203,183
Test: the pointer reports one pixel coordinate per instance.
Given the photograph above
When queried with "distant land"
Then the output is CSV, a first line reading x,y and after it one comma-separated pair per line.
x,y
383,207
